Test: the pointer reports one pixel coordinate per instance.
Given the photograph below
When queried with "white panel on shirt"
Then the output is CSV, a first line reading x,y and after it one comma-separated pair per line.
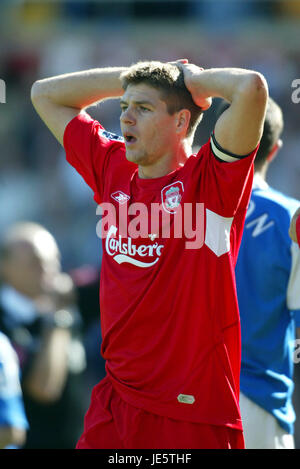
x,y
293,290
217,235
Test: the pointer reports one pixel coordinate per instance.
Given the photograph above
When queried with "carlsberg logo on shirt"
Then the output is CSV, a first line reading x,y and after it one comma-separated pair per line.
x,y
124,251
198,228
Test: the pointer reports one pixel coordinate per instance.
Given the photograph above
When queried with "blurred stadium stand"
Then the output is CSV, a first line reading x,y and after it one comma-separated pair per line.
x,y
44,38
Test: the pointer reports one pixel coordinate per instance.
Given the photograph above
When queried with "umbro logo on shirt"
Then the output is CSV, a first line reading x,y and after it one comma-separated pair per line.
x,y
120,197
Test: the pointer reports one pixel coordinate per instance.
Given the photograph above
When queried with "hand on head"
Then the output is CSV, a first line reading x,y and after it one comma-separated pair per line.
x,y
191,76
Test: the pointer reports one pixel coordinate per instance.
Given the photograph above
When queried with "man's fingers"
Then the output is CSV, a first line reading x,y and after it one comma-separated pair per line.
x,y
189,71
207,102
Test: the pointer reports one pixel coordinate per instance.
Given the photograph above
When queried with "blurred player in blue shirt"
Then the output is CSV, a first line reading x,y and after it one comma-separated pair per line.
x,y
268,287
13,421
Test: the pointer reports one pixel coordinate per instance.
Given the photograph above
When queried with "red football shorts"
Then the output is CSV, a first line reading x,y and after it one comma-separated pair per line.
x,y
111,423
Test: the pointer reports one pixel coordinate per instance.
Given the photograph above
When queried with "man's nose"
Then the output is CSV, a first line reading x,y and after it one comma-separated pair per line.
x,y
127,116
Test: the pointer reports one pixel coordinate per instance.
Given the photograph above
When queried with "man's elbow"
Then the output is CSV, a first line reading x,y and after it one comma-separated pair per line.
x,y
36,91
255,88
40,91
259,86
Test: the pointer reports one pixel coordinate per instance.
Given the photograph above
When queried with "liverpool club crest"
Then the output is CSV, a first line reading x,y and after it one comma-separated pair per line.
x,y
171,196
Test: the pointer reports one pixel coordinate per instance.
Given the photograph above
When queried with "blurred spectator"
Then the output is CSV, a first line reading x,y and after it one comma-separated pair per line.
x,y
86,280
38,313
13,422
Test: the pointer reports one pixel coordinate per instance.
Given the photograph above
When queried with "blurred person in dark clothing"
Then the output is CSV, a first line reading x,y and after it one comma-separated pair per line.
x,y
38,313
86,281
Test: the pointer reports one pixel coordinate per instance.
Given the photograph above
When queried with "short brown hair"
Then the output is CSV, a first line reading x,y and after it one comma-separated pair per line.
x,y
169,80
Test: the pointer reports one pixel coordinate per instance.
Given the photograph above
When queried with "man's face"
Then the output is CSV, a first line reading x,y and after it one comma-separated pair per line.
x,y
148,129
30,270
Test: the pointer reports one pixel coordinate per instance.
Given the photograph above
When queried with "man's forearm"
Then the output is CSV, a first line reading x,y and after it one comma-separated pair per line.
x,y
226,83
46,379
80,89
240,127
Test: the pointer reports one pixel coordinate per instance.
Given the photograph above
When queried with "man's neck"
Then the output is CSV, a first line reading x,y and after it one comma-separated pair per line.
x,y
260,174
261,171
259,180
166,164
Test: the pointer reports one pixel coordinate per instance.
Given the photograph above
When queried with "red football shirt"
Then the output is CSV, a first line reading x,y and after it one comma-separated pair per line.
x,y
169,314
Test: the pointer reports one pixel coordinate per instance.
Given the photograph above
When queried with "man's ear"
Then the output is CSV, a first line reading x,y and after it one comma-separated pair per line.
x,y
183,121
274,150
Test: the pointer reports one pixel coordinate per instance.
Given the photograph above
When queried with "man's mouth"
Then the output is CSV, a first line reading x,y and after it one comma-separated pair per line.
x,y
129,138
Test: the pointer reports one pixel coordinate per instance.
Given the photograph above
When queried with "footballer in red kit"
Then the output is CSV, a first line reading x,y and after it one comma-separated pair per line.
x,y
171,228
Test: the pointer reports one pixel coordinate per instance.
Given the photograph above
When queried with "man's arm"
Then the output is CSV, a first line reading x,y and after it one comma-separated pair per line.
x,y
58,99
46,378
239,129
292,229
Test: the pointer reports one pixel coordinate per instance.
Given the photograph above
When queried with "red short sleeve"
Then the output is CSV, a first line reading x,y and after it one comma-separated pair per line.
x,y
88,149
226,179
